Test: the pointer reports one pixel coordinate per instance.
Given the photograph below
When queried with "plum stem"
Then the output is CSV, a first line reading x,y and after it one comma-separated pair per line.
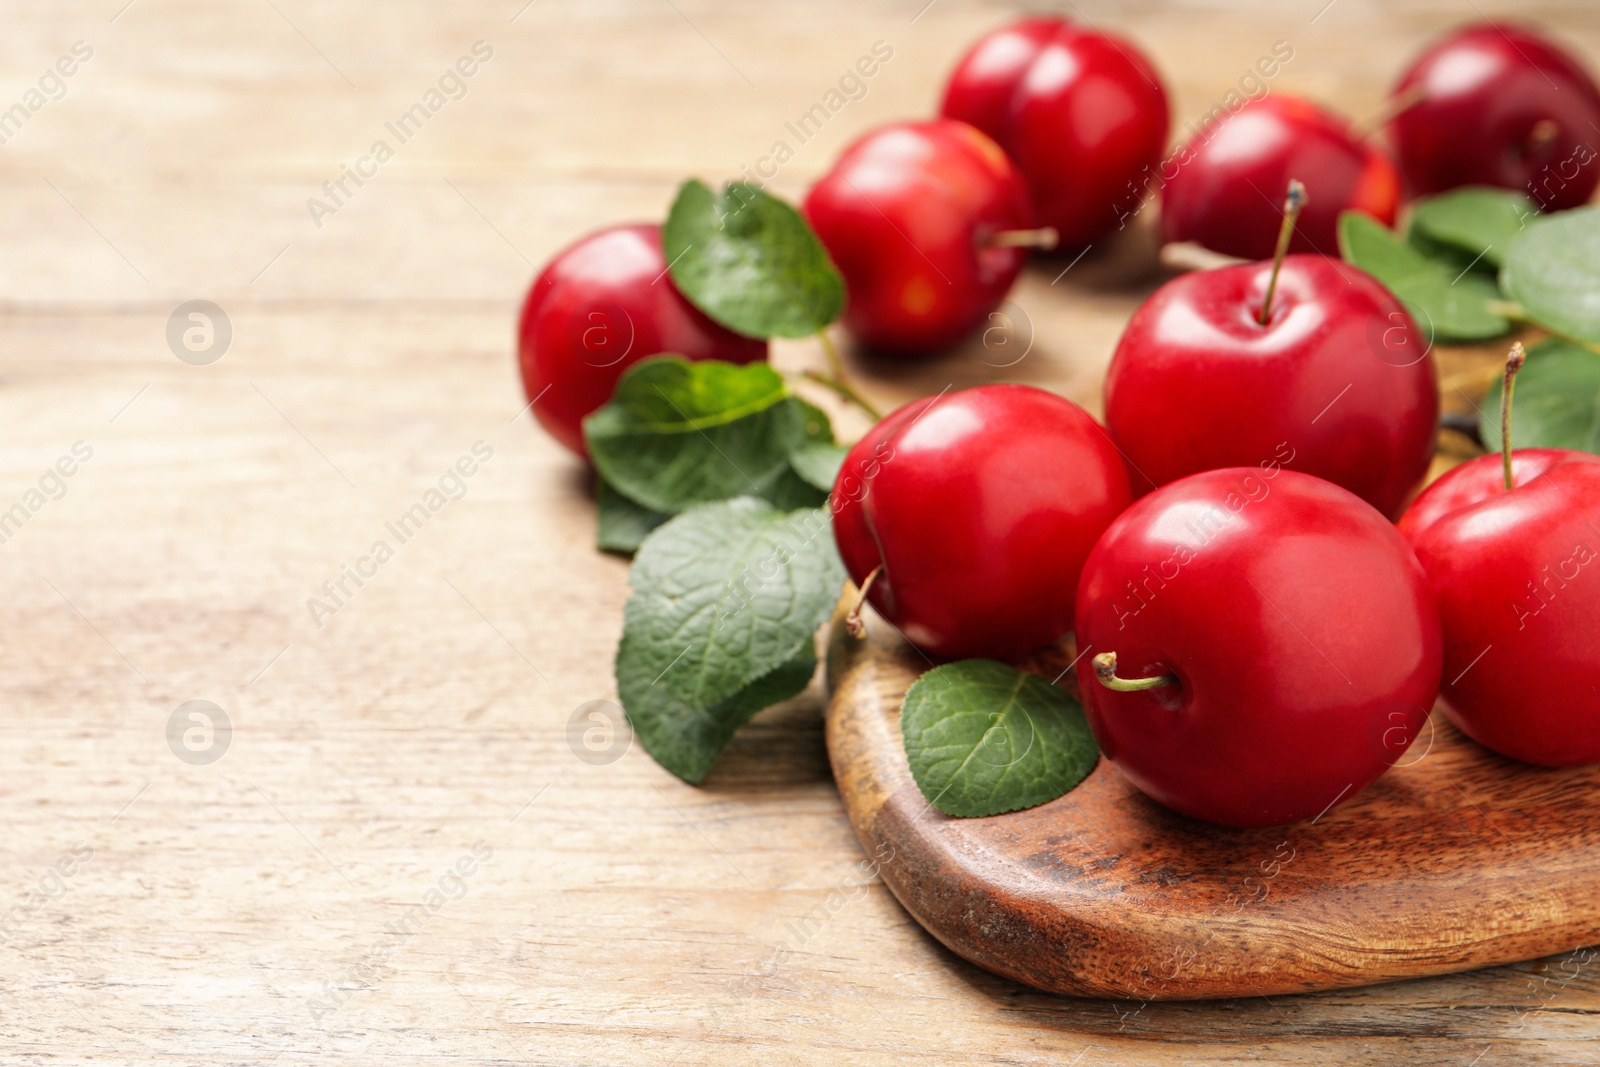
x,y
1045,238
852,621
836,379
846,390
1544,134
1292,203
831,350
1392,108
1514,363
1191,255
1105,669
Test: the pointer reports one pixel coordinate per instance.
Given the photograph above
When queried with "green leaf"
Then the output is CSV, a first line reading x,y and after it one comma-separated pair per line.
x,y
818,427
1448,301
817,459
750,261
818,463
623,524
792,491
1553,271
725,596
1557,402
677,434
1477,220
983,738
797,487
686,739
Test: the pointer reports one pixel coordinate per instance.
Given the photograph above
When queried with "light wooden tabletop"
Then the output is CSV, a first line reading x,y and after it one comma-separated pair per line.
x,y
397,855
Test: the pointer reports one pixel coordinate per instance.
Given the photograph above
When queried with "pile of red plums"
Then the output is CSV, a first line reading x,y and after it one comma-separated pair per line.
x,y
1257,638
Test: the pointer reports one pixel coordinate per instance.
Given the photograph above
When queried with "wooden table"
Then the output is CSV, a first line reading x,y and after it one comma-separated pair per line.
x,y
398,856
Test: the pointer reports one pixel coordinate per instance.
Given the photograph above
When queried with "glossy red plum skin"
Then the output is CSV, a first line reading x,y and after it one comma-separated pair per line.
x,y
980,506
1228,183
1517,576
1500,104
1302,631
904,214
1340,383
600,306
1083,113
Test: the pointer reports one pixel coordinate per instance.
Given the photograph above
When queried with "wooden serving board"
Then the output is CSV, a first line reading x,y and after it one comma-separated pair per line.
x,y
1455,860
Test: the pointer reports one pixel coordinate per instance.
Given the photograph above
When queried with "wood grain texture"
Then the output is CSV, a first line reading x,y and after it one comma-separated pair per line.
x,y
624,917
1457,859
